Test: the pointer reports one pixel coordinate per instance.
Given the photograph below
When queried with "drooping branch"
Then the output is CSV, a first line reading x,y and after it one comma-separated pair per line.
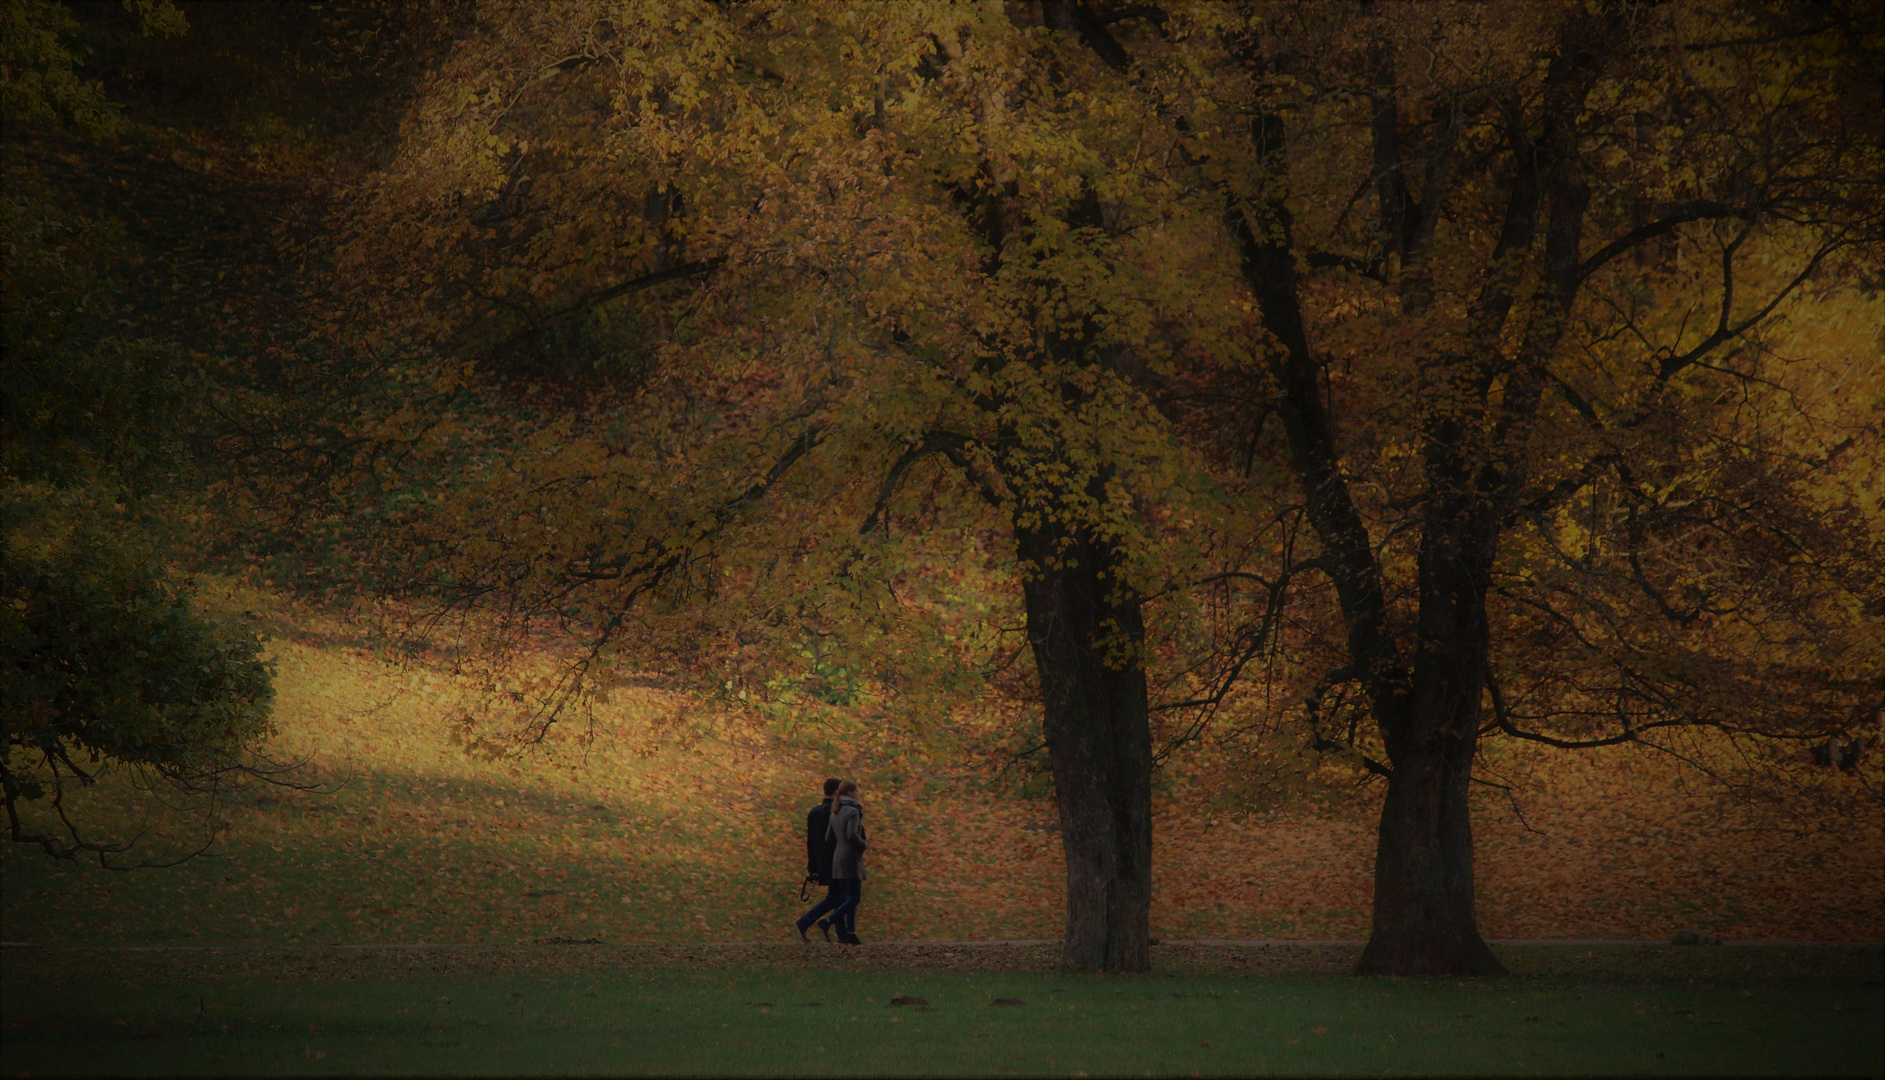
x,y
1511,799
1725,331
55,756
658,560
1696,210
956,448
1320,743
1841,24
579,308
1252,640
1537,507
948,444
1361,267
803,443
1504,722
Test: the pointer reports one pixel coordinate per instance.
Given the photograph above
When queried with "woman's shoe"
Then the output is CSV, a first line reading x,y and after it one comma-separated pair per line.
x,y
800,927
848,939
824,927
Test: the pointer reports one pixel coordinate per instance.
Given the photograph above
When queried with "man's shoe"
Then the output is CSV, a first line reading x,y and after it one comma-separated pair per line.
x,y
824,927
848,939
800,927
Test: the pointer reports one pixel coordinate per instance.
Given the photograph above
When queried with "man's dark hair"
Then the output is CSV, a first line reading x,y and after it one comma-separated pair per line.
x,y
831,787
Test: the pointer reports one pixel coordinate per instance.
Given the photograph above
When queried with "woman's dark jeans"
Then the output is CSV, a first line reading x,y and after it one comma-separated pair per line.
x,y
844,916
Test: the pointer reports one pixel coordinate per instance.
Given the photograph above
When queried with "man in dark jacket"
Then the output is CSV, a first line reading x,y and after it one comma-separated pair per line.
x,y
818,850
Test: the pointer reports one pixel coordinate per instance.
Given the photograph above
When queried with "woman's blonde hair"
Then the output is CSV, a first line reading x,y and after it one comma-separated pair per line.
x,y
848,787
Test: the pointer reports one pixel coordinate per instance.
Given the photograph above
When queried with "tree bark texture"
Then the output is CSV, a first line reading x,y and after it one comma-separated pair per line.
x,y
1086,634
1424,921
1423,876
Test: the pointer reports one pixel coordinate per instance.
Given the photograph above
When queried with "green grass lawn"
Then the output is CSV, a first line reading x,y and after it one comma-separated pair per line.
x,y
547,1010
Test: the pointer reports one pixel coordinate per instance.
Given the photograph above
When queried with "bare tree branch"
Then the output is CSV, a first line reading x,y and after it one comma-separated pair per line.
x,y
1698,210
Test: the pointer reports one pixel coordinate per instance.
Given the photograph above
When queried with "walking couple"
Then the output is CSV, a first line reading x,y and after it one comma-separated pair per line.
x,y
834,858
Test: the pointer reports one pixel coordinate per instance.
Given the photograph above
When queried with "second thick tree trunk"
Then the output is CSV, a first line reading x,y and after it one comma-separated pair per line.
x,y
1424,922
1086,634
1423,877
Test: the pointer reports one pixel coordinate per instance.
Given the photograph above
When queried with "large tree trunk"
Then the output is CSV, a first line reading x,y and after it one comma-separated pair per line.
x,y
1424,922
1423,875
1086,633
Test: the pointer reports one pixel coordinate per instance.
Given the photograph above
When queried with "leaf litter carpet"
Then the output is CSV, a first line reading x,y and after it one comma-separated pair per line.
x,y
676,824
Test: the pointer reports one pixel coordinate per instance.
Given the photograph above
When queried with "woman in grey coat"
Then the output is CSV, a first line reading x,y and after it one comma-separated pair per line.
x,y
847,859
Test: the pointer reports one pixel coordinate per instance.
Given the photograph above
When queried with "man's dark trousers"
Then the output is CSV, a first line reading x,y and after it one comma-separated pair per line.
x,y
833,897
818,849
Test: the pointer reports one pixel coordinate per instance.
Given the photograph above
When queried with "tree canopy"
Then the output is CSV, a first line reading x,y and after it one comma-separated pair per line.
x,y
1447,350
